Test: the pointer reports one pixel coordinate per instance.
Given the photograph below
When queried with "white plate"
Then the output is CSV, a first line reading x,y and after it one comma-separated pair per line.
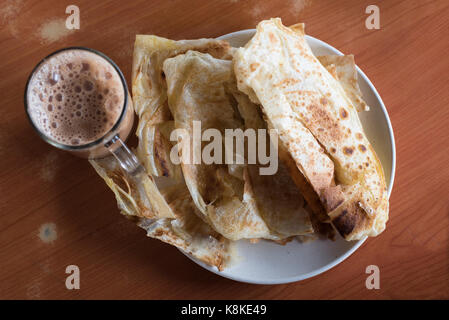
x,y
270,263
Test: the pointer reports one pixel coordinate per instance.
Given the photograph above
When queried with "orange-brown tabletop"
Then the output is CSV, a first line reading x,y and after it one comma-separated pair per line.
x,y
56,211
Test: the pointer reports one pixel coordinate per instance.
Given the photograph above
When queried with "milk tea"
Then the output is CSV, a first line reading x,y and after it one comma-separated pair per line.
x,y
75,98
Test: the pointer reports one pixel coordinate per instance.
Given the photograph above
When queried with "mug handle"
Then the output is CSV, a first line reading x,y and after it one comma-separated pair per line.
x,y
126,158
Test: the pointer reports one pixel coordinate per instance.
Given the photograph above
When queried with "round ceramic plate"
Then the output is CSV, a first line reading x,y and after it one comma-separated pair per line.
x,y
269,263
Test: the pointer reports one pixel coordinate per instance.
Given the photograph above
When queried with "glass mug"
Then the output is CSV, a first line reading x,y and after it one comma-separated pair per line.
x,y
77,100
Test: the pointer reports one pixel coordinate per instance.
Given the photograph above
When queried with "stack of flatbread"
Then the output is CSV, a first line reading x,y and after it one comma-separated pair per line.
x,y
328,178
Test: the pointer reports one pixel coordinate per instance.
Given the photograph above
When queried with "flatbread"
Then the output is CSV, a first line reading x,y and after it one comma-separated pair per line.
x,y
343,69
195,88
150,96
279,202
167,214
239,206
317,124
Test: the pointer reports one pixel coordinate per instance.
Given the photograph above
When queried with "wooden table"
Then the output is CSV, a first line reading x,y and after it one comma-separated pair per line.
x,y
407,60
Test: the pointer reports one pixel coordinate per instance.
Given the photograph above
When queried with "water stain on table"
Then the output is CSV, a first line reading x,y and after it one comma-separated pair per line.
x,y
47,233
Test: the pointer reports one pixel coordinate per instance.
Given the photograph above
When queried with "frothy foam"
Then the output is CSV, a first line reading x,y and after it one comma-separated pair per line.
x,y
75,97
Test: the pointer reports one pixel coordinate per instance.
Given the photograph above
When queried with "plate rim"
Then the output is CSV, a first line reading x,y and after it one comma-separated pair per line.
x,y
357,245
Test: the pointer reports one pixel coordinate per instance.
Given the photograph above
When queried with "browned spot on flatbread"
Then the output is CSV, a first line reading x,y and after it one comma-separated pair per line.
x,y
343,113
159,154
333,150
159,233
272,37
320,118
359,136
323,101
119,180
344,223
362,148
283,242
219,49
290,81
350,218
348,151
162,164
332,198
253,66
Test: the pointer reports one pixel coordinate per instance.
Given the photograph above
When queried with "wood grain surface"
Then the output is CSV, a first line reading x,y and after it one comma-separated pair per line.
x,y
41,187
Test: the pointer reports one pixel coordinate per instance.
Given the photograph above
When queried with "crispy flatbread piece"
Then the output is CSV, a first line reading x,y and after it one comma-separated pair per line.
x,y
317,124
343,69
150,96
196,92
167,214
239,206
278,200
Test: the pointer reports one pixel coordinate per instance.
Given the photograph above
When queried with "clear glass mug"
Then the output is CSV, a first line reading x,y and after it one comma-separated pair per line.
x,y
113,141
